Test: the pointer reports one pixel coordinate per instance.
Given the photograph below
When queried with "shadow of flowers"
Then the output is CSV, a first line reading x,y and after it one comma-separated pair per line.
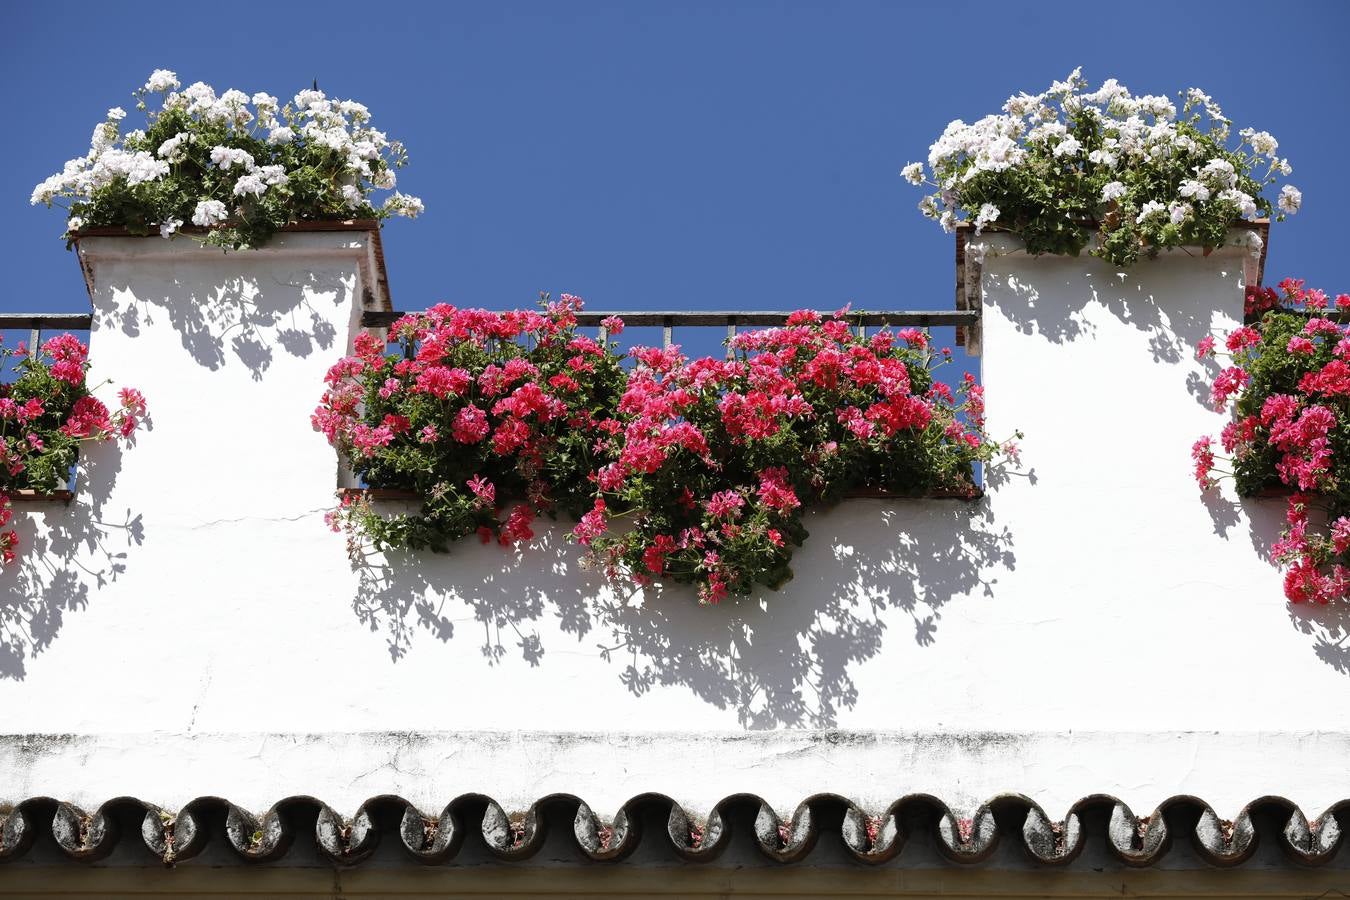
x,y
1173,327
249,316
783,658
75,547
1329,627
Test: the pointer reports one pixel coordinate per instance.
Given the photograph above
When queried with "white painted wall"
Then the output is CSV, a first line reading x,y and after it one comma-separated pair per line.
x,y
202,633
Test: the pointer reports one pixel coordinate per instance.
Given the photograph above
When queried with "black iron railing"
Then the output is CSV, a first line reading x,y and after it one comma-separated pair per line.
x,y
36,323
668,321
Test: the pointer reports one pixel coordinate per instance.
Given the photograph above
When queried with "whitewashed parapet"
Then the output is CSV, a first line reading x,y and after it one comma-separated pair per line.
x,y
1092,592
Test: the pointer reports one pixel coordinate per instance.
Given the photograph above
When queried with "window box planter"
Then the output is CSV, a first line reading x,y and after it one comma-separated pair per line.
x,y
397,494
29,496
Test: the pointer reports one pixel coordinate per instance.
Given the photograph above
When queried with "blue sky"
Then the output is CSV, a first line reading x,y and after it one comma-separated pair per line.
x,y
678,155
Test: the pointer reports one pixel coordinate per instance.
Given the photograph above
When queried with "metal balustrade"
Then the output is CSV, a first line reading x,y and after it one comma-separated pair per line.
x,y
36,323
961,319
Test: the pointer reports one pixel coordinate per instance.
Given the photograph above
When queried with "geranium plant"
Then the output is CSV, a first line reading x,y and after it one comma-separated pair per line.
x,y
490,418
1064,166
237,167
46,411
687,470
717,460
1288,383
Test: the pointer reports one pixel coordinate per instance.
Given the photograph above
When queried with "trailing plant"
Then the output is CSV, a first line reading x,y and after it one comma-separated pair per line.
x,y
237,167
1064,166
490,418
46,411
685,470
1288,383
717,460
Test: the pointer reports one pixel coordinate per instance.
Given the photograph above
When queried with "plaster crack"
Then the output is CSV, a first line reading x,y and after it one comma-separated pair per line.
x,y
206,685
235,521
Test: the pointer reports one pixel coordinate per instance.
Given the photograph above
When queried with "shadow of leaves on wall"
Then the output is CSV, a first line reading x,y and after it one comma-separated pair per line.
x,y
1131,296
871,571
787,658
1329,628
281,307
82,545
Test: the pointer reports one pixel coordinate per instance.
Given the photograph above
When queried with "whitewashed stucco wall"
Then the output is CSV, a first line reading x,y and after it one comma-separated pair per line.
x,y
1090,626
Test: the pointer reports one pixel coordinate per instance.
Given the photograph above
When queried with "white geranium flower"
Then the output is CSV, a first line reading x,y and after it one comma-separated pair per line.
x,y
1103,158
1022,104
988,213
1291,198
1197,97
999,154
74,224
990,142
233,105
137,168
1158,107
272,175
162,80
1178,212
1042,133
104,136
173,149
385,179
948,221
116,114
1219,171
281,134
200,97
1067,147
1149,209
1244,202
1113,190
305,99
913,173
264,102
1263,143
249,184
1109,91
168,227
1194,189
404,205
928,206
210,212
1074,82
225,157
354,111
